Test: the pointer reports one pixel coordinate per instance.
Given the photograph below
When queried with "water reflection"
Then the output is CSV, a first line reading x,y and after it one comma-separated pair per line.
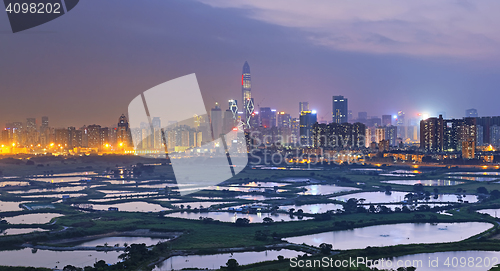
x,y
32,218
134,206
8,206
56,259
390,235
218,260
313,208
477,179
231,216
425,182
489,173
397,196
317,189
120,241
491,212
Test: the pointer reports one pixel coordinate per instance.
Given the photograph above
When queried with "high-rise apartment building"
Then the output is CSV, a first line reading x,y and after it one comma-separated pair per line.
x,y
216,121
340,109
495,135
471,113
267,117
432,134
307,120
391,134
284,120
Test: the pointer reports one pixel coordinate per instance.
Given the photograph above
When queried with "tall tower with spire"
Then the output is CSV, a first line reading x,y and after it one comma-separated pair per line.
x,y
246,87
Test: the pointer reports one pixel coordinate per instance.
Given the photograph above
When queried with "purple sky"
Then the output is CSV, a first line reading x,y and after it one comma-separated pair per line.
x,y
384,56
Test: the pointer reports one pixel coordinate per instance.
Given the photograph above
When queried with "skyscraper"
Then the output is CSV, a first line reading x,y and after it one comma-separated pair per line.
x,y
471,113
216,120
303,106
246,87
123,135
386,120
400,122
339,109
45,122
284,120
307,120
432,134
495,135
266,117
31,123
391,134
233,107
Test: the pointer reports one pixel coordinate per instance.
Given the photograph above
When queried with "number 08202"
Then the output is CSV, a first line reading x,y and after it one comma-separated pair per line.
x,y
33,8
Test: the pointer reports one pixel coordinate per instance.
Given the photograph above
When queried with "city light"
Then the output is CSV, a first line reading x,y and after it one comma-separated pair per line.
x,y
314,111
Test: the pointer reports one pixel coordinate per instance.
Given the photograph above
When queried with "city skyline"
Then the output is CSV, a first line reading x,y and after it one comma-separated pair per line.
x,y
90,83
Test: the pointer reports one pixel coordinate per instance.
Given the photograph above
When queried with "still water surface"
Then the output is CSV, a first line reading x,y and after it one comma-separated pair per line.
x,y
390,235
218,260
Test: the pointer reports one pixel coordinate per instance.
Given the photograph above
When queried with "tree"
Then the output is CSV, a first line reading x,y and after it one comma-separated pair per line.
x,y
232,264
71,268
242,222
372,209
482,190
495,194
267,220
280,258
350,205
325,248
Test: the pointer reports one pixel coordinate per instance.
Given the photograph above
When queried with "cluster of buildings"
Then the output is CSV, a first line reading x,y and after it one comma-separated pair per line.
x,y
28,137
438,135
266,127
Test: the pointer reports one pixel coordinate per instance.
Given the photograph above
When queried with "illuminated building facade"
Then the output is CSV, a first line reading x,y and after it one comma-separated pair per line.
x,y
284,120
303,106
246,88
123,135
432,134
339,136
233,107
340,109
391,134
307,120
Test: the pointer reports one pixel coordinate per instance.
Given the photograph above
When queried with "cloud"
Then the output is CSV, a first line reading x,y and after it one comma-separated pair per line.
x,y
455,28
